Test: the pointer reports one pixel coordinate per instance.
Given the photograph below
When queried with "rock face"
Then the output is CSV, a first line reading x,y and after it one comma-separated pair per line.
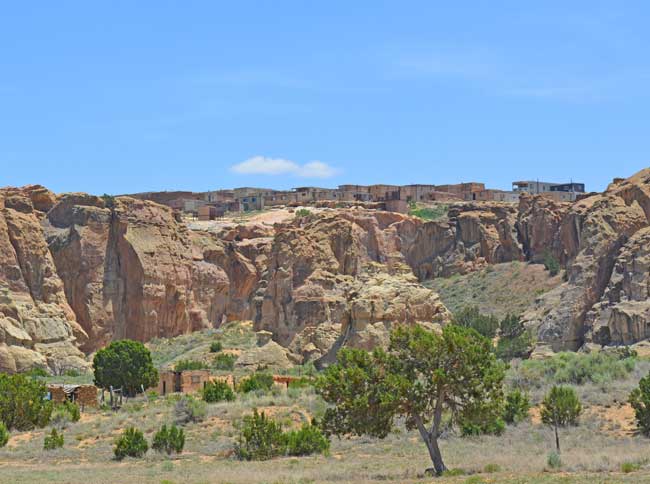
x,y
37,326
77,271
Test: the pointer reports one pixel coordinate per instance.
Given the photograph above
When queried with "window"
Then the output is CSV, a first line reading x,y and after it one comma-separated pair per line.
x,y
196,379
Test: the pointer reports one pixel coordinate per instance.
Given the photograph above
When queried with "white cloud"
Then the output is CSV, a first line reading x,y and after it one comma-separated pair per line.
x,y
262,165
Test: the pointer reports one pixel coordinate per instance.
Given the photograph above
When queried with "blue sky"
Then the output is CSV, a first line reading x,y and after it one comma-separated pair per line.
x,y
119,97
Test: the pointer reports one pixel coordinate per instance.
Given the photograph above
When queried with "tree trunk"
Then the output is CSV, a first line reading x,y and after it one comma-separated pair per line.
x,y
431,440
557,439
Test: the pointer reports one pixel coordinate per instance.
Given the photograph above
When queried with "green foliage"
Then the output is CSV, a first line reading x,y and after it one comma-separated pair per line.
x,y
627,467
260,438
169,440
64,413
576,369
22,402
302,382
217,391
130,444
109,200
302,212
185,365
561,407
257,381
216,346
516,407
189,409
125,364
470,317
640,401
551,264
429,213
224,361
37,372
554,461
422,375
306,441
4,435
53,441
514,340
491,468
486,426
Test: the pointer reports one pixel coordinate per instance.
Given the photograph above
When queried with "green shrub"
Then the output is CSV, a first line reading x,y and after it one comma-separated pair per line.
x,y
189,409
260,438
130,444
306,441
469,428
491,468
561,407
4,435
37,372
514,340
53,441
256,381
554,461
125,364
516,407
429,213
640,401
216,347
224,361
169,440
302,382
184,365
64,413
217,391
575,369
109,200
551,264
627,467
470,317
23,404
302,212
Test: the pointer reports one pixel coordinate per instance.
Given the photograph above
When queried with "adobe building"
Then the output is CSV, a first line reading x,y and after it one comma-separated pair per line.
x,y
187,381
82,395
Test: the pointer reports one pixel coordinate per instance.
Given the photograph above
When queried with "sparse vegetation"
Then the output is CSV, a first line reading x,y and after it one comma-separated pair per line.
x,y
224,361
309,439
218,391
551,264
22,402
302,212
216,346
258,381
514,340
189,409
436,212
184,365
130,444
53,441
65,413
470,317
125,364
169,440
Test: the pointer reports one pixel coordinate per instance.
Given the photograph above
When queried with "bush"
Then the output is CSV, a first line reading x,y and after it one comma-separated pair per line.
x,y
640,401
216,347
561,406
302,382
170,440
130,444
627,467
551,264
184,365
260,438
217,391
516,407
256,381
576,369
109,200
435,213
53,441
554,461
64,413
4,435
302,212
23,404
125,364
189,409
491,468
224,361
306,441
37,372
470,317
494,426
514,340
